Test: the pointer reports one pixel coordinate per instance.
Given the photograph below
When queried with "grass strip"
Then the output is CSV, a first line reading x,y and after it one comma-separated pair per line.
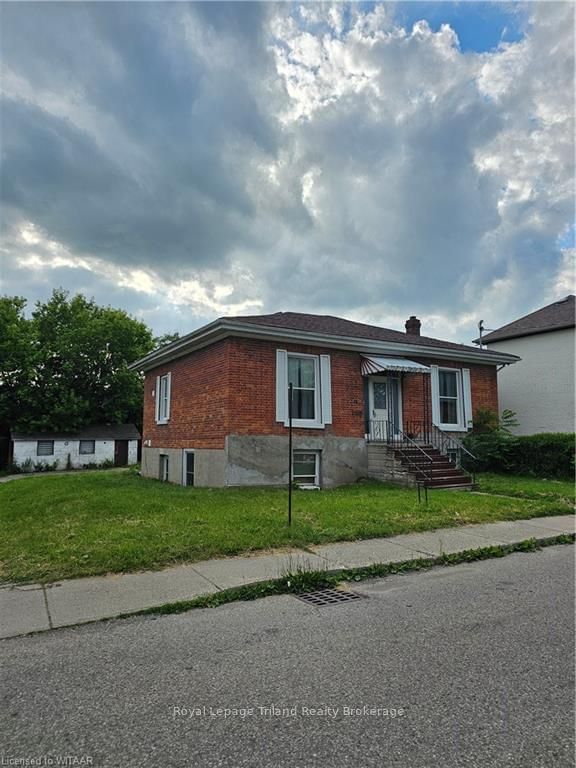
x,y
307,581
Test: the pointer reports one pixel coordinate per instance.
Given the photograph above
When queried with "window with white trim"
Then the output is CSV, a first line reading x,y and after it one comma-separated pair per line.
x,y
306,468
451,398
163,469
87,447
311,389
163,387
303,375
45,448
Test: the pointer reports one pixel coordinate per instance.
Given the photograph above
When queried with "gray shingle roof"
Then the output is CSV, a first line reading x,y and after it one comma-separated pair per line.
x,y
338,326
560,314
92,432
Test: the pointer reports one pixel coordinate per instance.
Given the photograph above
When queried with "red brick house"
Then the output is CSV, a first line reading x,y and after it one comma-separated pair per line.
x,y
367,402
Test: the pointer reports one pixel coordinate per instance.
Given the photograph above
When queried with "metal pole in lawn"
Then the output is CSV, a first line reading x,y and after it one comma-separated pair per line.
x,y
290,454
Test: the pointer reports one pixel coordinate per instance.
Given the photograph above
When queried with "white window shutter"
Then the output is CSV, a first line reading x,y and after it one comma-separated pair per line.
x,y
157,400
281,385
467,392
326,389
435,394
168,394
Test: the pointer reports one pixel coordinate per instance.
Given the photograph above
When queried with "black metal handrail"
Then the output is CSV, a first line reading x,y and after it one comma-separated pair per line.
x,y
446,444
427,433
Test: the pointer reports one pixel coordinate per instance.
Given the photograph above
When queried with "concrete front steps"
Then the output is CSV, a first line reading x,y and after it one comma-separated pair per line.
x,y
409,466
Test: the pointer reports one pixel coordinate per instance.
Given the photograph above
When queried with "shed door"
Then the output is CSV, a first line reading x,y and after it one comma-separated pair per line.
x,y
120,453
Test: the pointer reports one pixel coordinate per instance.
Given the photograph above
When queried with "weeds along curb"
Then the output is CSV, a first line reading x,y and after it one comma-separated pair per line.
x,y
306,581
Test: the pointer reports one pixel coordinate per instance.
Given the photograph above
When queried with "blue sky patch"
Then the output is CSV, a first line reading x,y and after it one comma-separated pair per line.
x,y
480,26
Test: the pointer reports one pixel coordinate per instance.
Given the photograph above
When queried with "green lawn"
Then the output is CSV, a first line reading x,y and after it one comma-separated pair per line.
x,y
527,487
80,525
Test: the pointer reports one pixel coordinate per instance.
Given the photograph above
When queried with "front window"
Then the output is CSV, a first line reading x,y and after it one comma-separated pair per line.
x,y
305,468
310,378
449,396
302,375
87,446
45,448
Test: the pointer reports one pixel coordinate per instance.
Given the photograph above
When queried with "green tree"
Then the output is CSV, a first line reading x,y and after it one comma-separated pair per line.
x,y
17,349
167,338
76,366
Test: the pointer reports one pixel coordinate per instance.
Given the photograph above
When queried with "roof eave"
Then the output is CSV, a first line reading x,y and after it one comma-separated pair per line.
x,y
531,332
221,329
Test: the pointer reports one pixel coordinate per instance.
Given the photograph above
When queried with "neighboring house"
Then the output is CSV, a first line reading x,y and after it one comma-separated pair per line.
x,y
366,402
540,389
92,445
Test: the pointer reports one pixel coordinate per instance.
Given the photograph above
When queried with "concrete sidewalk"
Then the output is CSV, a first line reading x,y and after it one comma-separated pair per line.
x,y
35,607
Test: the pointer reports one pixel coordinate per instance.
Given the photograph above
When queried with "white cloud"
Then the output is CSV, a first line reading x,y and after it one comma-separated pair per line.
x,y
254,157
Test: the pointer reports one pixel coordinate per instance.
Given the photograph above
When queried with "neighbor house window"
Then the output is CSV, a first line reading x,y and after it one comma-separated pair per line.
x,y
306,468
87,446
309,376
45,448
163,474
448,386
163,387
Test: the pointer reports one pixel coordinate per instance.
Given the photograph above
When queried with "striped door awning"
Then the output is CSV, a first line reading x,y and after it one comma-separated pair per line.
x,y
372,365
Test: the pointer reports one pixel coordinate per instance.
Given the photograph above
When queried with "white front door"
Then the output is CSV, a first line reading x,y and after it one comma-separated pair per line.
x,y
378,404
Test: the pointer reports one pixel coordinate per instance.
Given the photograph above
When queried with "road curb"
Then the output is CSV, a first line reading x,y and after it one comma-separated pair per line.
x,y
303,581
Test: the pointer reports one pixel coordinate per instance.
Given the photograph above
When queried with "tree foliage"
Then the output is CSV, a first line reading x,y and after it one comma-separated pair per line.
x,y
167,338
491,440
67,365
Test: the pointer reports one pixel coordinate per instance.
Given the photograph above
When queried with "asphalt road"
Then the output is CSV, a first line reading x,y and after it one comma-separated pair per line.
x,y
464,666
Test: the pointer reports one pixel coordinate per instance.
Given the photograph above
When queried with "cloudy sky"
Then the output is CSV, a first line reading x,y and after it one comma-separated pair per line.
x,y
186,161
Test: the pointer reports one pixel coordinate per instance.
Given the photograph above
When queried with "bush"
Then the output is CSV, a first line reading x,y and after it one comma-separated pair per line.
x,y
549,454
498,450
491,441
43,466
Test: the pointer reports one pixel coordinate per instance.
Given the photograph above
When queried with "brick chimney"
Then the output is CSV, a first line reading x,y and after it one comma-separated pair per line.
x,y
412,325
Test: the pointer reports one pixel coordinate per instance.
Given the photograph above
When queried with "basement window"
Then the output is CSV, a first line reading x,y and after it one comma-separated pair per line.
x,y
306,468
188,467
163,473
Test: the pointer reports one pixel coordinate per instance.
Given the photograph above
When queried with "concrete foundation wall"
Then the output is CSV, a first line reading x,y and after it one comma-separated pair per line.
x,y
209,468
251,460
209,465
255,460
383,465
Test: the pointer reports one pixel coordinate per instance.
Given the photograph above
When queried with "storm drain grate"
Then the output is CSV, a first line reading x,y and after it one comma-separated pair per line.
x,y
328,596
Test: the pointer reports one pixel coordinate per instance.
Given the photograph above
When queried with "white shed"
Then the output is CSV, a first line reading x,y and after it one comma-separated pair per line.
x,y
108,444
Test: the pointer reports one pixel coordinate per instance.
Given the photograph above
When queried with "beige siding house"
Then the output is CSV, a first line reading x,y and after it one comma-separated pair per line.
x,y
540,388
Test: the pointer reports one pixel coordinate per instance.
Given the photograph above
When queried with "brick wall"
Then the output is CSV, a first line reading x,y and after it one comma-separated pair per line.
x,y
198,402
483,385
230,388
253,390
